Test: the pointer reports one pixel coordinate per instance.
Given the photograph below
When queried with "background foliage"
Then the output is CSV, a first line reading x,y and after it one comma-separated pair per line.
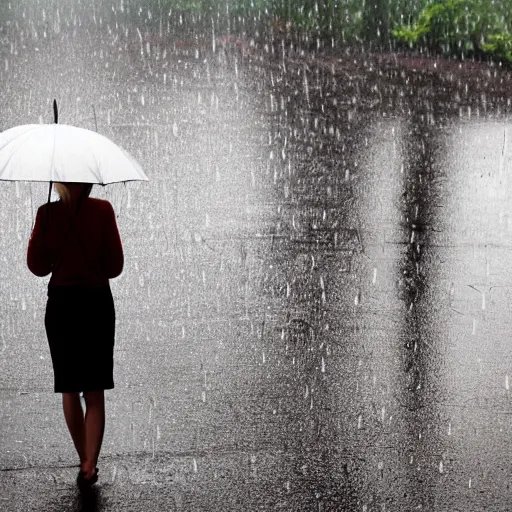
x,y
461,27
466,28
451,27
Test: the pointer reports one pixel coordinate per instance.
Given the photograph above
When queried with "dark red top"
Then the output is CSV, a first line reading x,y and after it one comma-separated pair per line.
x,y
91,254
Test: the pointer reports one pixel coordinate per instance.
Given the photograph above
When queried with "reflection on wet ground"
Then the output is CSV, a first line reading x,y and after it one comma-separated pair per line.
x,y
314,309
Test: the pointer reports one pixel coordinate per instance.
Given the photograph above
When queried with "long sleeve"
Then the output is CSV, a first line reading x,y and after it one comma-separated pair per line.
x,y
38,259
113,258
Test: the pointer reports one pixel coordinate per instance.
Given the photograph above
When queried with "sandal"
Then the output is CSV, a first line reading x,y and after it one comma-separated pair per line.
x,y
85,483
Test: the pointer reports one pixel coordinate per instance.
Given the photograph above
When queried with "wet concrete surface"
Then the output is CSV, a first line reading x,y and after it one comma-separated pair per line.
x,y
314,312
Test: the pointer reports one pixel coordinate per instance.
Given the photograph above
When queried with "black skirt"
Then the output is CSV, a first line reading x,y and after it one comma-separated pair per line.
x,y
80,326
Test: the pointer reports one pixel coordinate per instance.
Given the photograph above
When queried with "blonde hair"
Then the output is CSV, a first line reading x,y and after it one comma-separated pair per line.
x,y
63,190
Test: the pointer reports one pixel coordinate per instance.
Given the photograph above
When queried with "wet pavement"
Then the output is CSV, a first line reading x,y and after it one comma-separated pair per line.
x,y
314,311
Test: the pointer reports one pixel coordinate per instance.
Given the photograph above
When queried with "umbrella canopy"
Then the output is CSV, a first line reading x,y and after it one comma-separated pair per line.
x,y
63,153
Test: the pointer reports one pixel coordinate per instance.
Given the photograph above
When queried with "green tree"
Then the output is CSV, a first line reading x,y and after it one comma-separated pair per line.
x,y
460,27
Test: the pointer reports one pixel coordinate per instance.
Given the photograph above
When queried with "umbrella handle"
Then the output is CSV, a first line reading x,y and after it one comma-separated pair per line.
x,y
47,209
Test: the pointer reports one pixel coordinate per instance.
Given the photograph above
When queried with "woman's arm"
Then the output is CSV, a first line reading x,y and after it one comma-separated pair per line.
x,y
113,258
38,259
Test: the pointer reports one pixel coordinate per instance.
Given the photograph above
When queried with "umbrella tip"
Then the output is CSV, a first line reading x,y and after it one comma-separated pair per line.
x,y
55,112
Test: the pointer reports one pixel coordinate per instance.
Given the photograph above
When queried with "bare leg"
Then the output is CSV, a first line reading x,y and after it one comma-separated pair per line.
x,y
94,428
74,415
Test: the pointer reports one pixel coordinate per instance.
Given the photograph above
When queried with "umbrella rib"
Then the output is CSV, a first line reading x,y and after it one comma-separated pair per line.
x,y
97,169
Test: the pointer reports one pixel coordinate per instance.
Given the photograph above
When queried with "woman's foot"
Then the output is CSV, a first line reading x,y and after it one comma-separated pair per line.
x,y
88,473
87,478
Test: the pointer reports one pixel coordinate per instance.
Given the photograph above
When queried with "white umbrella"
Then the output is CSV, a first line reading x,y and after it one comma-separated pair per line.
x,y
62,153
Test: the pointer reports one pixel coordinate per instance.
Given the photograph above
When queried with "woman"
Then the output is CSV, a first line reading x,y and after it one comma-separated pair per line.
x,y
77,240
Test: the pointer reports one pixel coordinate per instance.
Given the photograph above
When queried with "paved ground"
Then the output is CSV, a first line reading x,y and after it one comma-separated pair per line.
x,y
314,313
